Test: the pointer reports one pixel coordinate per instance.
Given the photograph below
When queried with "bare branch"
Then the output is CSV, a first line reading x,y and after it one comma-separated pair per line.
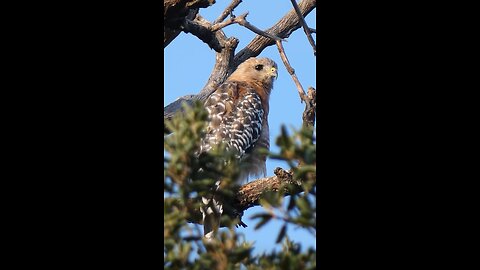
x,y
312,30
257,31
282,29
241,21
305,26
202,31
232,20
227,11
291,71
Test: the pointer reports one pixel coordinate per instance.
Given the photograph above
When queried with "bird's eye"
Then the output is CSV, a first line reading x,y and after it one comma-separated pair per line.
x,y
259,67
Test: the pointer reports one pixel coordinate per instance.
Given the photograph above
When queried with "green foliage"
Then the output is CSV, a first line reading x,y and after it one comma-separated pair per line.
x,y
290,257
184,247
299,152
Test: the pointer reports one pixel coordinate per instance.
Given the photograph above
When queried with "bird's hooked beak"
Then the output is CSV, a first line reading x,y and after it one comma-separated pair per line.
x,y
273,72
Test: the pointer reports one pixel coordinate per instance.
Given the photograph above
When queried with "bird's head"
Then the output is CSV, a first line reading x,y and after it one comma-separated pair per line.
x,y
263,70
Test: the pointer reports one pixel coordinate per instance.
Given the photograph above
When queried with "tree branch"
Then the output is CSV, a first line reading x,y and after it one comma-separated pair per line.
x,y
243,22
249,195
200,28
175,12
309,99
291,71
282,29
230,21
227,11
306,29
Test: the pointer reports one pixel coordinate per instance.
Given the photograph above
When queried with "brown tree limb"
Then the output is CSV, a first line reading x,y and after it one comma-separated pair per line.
x,y
200,28
169,34
306,29
175,12
249,195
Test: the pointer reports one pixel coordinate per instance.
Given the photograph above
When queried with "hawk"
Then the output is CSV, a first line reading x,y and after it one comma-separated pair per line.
x,y
238,117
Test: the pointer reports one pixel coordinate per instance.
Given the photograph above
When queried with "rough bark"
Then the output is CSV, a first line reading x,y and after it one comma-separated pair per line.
x,y
175,12
310,108
249,195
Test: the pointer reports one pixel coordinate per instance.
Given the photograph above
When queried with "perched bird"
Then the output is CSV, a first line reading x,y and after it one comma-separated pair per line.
x,y
238,117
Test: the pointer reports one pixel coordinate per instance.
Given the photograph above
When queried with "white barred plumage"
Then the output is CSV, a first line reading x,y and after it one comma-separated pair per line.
x,y
238,117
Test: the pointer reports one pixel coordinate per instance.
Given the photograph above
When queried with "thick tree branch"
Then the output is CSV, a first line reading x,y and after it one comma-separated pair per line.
x,y
169,34
200,28
175,12
249,195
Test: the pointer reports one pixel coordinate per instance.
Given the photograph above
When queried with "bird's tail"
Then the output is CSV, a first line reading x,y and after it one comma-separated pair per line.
x,y
212,210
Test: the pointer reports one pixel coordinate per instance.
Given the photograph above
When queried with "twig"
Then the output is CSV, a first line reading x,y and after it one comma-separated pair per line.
x,y
257,31
232,20
305,26
227,11
291,71
312,30
241,21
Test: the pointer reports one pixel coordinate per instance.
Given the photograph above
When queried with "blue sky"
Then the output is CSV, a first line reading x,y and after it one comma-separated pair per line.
x,y
189,62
